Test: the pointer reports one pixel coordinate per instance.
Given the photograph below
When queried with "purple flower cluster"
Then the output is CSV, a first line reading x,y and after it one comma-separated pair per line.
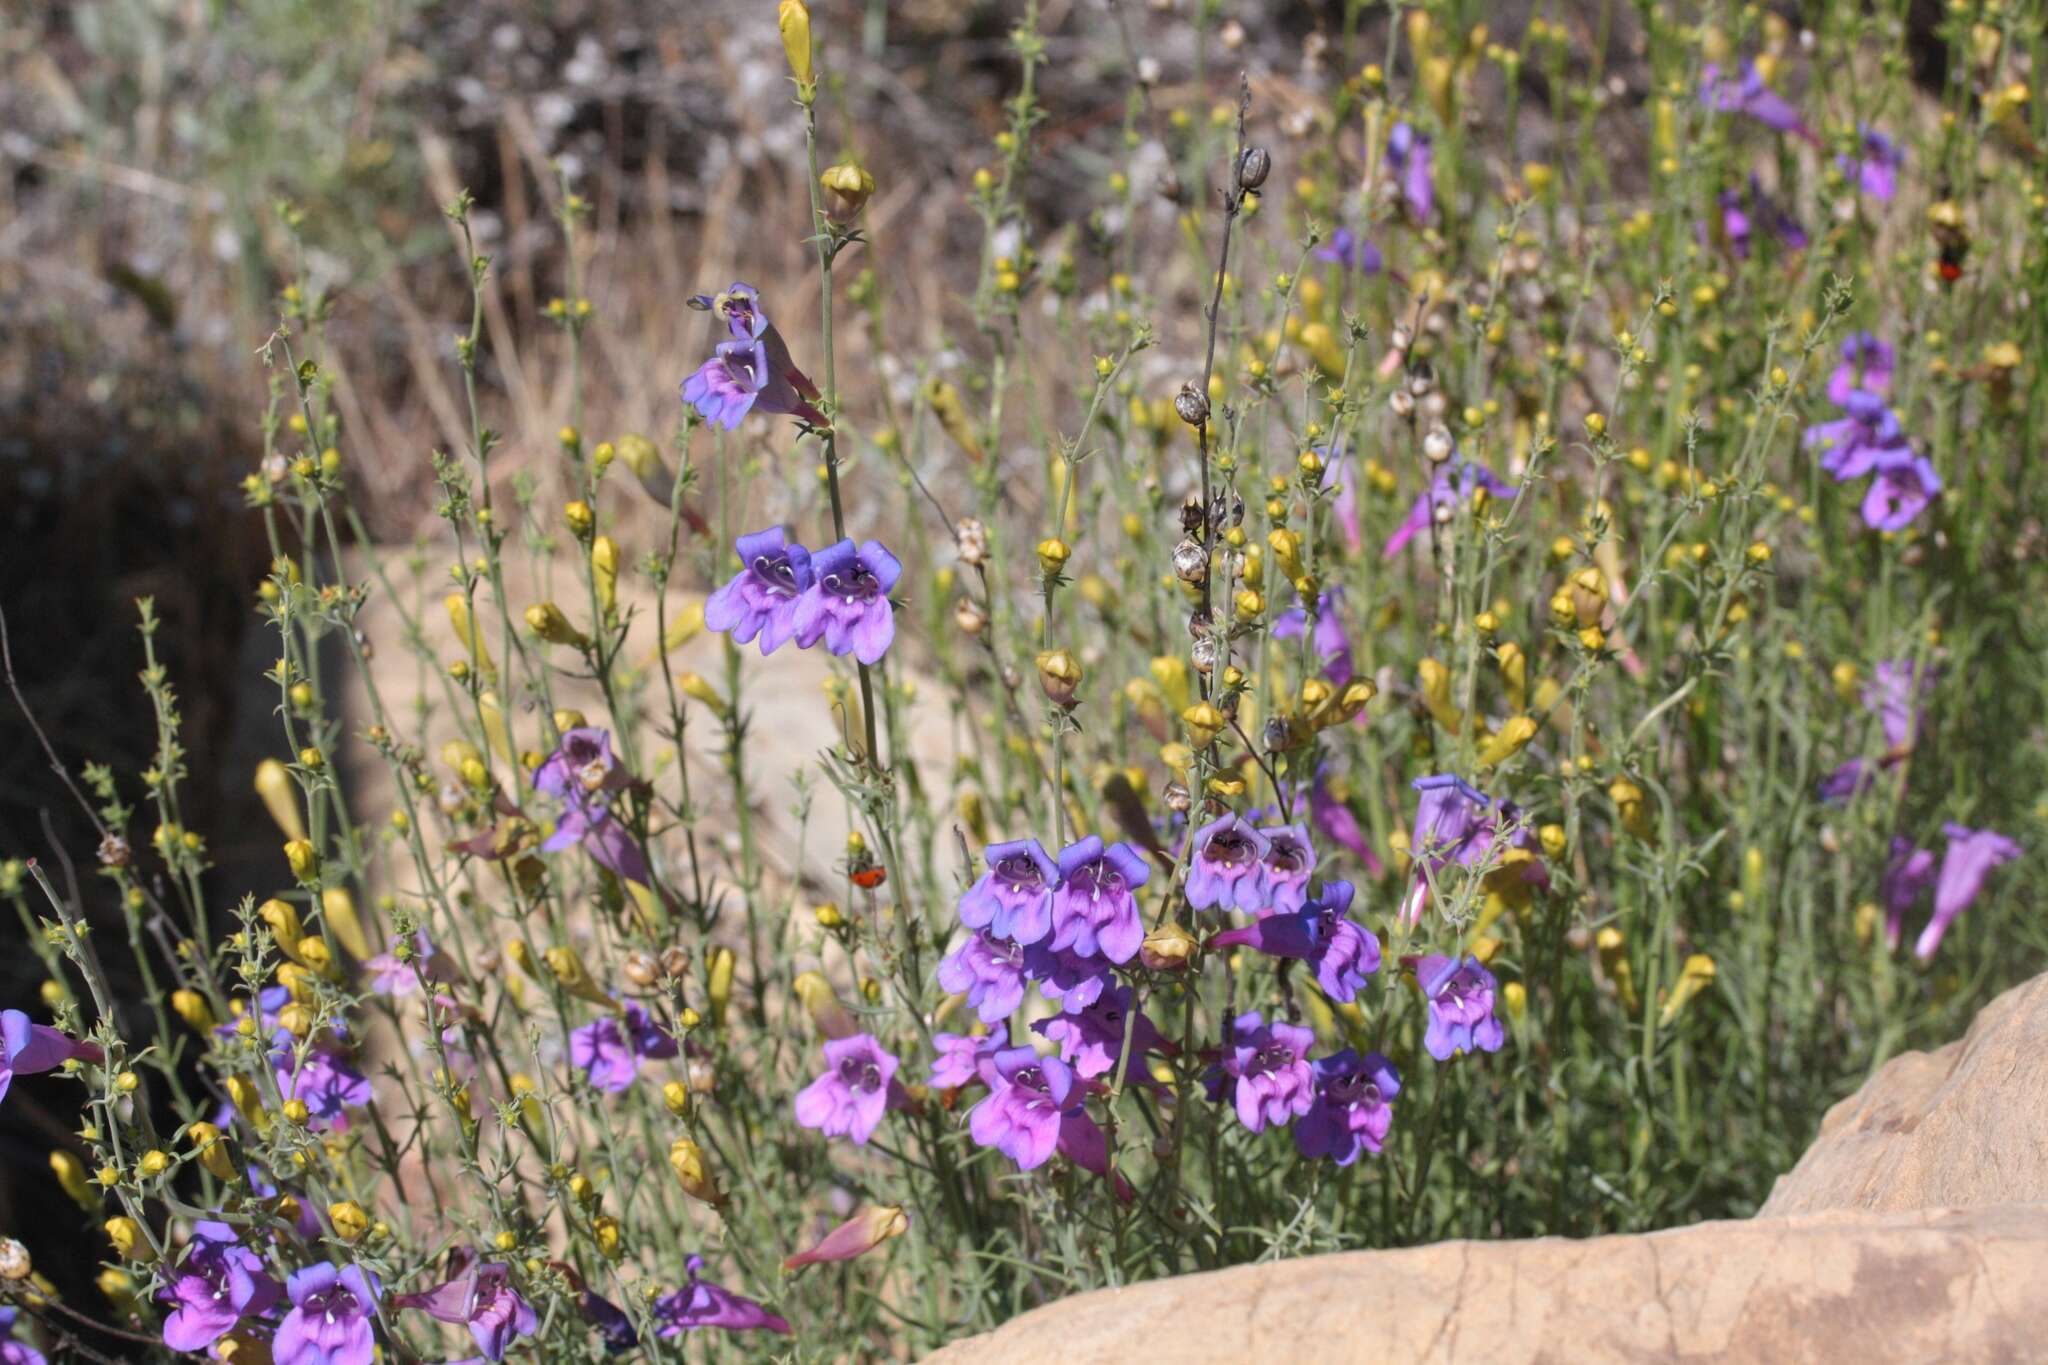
x,y
703,1304
783,592
609,1050
479,1296
1868,440
332,1318
1460,994
858,1087
1410,158
1457,823
1456,480
1261,871
1745,93
1339,1106
1875,166
583,775
1742,212
752,370
219,1283
27,1048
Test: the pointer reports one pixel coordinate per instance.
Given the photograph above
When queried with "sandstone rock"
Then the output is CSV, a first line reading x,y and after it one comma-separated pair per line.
x,y
1915,1286
1961,1126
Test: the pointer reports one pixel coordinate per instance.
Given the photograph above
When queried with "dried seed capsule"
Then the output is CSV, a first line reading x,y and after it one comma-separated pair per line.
x,y
1192,405
1253,166
1190,562
1437,445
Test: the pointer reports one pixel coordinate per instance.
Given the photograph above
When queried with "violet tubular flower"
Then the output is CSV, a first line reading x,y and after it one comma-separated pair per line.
x,y
1453,824
480,1297
1094,909
857,1088
1352,251
1343,953
1851,444
1875,167
1902,484
14,1352
1747,94
1092,1040
1410,158
608,1050
752,370
1455,482
219,1283
1227,871
1908,872
323,1080
1065,976
989,971
1013,899
1284,869
1332,646
1460,994
1020,1116
703,1304
760,601
1965,864
847,603
330,1322
1267,1069
1866,364
27,1047
963,1057
1353,1107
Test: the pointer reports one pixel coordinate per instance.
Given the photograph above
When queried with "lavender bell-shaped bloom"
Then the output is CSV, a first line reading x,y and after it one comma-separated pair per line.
x,y
1866,364
1965,863
1902,484
1065,976
27,1048
1409,157
1343,953
703,1304
1286,865
1092,1040
398,977
1894,696
1228,868
481,1298
323,1080
850,1098
1352,251
1094,910
1020,1117
1460,993
1335,822
751,370
1455,482
1851,444
1450,819
1353,1108
1267,1069
1013,899
608,1050
847,603
962,1057
1333,648
1875,167
1907,873
331,1321
760,601
1747,94
219,1283
989,971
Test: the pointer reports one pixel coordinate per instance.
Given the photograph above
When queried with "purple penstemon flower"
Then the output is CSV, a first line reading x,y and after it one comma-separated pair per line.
x,y
1907,873
1013,899
1410,158
1065,976
1343,953
1094,910
989,971
751,370
760,601
857,1088
1335,822
1741,213
1332,646
331,1318
847,603
1460,994
1092,1040
584,776
1353,1107
1893,694
608,1050
1850,445
963,1057
396,976
14,1352
1747,94
1268,1071
1020,1116
219,1283
1352,251
27,1047
1228,868
1285,866
323,1079
1450,819
703,1304
609,1319
481,1298
1866,364
1875,167
1902,484
1455,482
1965,863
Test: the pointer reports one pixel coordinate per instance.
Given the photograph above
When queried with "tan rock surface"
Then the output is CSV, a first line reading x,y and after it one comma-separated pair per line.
x,y
1964,1125
1931,1285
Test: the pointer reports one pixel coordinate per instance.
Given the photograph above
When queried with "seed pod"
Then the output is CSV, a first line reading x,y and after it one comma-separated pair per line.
x,y
970,537
1190,563
1437,445
1192,405
1253,165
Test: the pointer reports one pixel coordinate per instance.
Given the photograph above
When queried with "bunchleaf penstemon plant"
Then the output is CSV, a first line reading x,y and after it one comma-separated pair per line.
x,y
1376,696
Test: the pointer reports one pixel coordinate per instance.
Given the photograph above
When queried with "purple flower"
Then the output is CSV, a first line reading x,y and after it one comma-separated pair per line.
x,y
1453,824
1894,695
1460,996
1284,868
1343,953
847,603
964,1057
609,1049
330,1319
752,370
1013,899
850,1098
1875,167
219,1284
1333,649
1455,482
1866,364
1747,94
1907,873
1850,445
481,1298
761,599
27,1048
989,971
1353,1107
1335,822
1094,911
14,1352
1092,1040
1268,1064
1076,982
1082,1142
1228,869
702,1304
398,977
1410,158
1740,214
609,1319
1902,485
1965,863
324,1080
1352,251
1020,1117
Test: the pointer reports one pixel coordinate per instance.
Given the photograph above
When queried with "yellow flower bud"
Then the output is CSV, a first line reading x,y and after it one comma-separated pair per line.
x,y
338,913
1514,998
280,795
469,633
604,572
693,686
1629,804
349,1219
847,188
126,1235
1168,948
154,1162
793,18
1514,672
579,516
297,1112
686,1159
1514,735
1203,723
676,1096
1053,554
833,1019
545,619
283,920
72,1179
1059,677
242,1093
303,858
566,965
212,1149
191,1006
1249,605
1553,840
1434,681
1695,976
718,989
1613,951
605,1227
